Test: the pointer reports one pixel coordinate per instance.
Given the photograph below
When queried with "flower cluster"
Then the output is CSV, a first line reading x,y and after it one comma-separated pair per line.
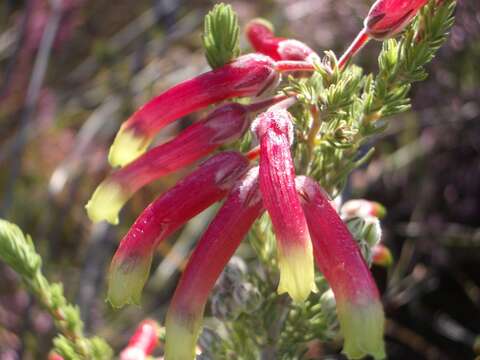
x,y
266,178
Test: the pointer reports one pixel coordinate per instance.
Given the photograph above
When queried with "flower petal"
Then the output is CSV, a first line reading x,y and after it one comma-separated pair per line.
x,y
337,255
217,245
387,18
277,183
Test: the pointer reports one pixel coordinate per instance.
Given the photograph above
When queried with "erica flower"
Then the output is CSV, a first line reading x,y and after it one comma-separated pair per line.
x,y
389,17
143,341
337,255
277,183
131,264
385,19
260,35
225,124
217,245
249,75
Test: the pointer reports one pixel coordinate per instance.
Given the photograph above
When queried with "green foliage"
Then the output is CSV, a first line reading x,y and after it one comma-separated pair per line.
x,y
18,251
221,35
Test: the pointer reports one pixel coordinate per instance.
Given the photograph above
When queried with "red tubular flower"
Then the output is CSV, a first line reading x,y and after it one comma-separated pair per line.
x,y
337,255
260,35
217,245
385,19
225,124
143,341
249,75
277,183
131,264
389,17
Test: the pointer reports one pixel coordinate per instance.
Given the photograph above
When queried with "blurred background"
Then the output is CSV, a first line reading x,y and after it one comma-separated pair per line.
x,y
72,70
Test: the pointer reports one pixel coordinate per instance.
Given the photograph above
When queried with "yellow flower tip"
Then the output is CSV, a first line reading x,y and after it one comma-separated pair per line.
x,y
362,327
106,202
126,280
297,275
181,338
127,147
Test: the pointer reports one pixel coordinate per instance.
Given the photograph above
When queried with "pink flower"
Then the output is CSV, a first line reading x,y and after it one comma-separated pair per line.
x,y
385,19
249,75
337,255
143,341
225,124
206,185
274,130
389,17
217,245
260,35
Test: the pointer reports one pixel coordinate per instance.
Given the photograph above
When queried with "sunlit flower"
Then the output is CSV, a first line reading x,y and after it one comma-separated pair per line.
x,y
337,255
217,245
385,19
274,130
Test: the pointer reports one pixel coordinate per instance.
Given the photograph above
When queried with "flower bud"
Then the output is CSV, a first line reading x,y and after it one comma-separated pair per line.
x,y
362,208
203,187
381,256
260,35
247,296
225,124
337,255
277,183
217,245
248,75
387,18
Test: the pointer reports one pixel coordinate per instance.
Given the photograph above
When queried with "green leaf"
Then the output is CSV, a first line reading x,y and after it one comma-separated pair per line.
x,y
221,35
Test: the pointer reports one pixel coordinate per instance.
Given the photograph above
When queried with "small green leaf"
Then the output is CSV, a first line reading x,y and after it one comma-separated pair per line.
x,y
221,35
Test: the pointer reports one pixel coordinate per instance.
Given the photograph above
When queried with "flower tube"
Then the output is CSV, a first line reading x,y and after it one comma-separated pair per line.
x,y
217,245
225,124
385,19
277,183
260,35
143,341
131,263
249,75
337,255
